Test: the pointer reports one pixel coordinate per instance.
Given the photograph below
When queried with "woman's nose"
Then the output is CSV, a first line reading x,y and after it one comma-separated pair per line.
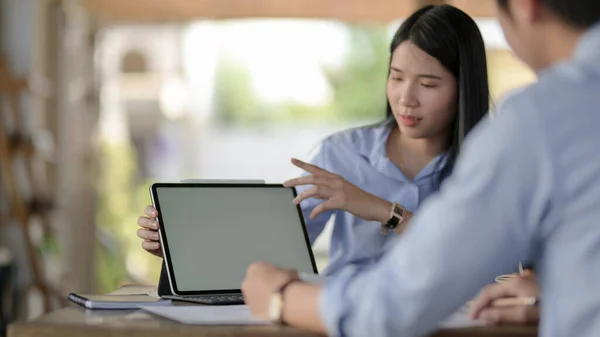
x,y
407,97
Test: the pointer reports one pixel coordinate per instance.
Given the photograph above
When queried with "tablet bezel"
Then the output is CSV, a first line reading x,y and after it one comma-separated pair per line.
x,y
165,242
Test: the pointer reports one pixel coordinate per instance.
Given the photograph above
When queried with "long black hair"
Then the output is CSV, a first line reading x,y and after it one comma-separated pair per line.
x,y
452,37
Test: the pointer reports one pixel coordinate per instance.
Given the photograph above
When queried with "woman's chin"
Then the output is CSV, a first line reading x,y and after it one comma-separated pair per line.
x,y
412,132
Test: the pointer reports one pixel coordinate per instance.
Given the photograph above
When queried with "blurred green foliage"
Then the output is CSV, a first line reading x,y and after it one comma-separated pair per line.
x,y
358,86
120,203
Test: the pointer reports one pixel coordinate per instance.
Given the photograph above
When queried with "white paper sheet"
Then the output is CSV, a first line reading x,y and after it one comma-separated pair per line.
x,y
241,315
208,314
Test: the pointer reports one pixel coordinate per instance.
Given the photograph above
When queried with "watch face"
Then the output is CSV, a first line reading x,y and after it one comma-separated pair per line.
x,y
393,222
398,210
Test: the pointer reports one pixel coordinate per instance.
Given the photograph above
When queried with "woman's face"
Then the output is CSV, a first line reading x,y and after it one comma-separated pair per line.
x,y
422,93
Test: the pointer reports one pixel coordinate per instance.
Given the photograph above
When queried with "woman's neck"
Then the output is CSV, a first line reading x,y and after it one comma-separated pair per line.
x,y
412,155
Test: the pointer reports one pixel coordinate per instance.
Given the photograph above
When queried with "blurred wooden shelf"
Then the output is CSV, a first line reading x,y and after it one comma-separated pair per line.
x,y
18,142
153,11
4,219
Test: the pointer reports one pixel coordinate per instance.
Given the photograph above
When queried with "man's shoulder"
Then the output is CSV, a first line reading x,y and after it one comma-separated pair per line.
x,y
566,92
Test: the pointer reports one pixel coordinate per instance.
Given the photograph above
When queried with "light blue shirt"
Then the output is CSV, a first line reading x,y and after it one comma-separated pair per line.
x,y
526,187
359,155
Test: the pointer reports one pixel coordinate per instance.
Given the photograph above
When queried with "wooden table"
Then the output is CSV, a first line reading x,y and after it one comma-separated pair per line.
x,y
75,321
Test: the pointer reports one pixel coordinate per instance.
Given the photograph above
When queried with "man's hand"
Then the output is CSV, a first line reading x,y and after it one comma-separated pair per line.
x,y
262,280
521,286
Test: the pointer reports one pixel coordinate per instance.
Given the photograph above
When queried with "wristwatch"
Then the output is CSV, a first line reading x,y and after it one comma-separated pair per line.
x,y
276,303
397,215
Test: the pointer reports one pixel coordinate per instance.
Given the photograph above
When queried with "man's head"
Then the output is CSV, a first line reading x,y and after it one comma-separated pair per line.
x,y
543,32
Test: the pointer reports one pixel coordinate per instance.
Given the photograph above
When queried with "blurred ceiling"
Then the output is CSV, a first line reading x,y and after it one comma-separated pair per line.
x,y
152,11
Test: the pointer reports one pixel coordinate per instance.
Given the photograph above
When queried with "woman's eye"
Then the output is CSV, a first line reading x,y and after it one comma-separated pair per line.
x,y
428,85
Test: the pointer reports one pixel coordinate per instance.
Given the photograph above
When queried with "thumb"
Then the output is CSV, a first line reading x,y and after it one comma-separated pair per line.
x,y
490,293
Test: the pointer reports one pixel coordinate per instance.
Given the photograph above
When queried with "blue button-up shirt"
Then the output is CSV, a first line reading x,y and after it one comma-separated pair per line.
x,y
359,155
526,187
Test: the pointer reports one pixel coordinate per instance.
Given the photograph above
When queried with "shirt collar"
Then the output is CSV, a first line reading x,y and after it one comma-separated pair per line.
x,y
587,50
378,157
588,47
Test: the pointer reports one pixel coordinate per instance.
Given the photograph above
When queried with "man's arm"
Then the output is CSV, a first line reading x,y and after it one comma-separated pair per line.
x,y
301,307
482,222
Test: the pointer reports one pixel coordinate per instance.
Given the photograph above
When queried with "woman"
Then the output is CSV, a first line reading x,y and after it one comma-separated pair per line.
x,y
437,92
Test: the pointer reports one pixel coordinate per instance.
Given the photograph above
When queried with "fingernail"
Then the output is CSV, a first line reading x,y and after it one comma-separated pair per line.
x,y
295,201
155,246
154,224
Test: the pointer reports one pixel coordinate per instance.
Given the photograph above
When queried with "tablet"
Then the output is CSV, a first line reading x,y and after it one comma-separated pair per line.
x,y
211,232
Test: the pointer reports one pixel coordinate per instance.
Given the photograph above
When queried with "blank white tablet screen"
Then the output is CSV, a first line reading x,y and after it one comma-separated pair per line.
x,y
214,233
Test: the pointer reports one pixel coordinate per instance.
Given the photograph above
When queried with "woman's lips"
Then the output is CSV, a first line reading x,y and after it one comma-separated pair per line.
x,y
409,120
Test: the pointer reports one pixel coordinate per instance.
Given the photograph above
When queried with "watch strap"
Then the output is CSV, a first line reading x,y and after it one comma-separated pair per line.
x,y
280,291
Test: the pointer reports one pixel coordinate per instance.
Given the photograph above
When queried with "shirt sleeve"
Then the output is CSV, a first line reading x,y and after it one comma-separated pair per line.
x,y
315,227
483,221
